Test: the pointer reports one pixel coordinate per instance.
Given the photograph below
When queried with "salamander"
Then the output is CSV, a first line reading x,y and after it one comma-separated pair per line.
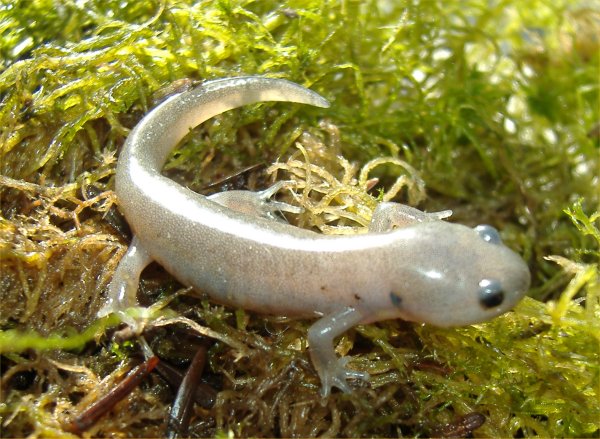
x,y
411,265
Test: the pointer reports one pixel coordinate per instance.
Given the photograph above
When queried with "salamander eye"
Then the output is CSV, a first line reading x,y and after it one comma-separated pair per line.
x,y
490,293
488,234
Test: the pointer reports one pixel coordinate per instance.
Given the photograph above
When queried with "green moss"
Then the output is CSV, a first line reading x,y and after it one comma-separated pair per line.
x,y
496,106
18,341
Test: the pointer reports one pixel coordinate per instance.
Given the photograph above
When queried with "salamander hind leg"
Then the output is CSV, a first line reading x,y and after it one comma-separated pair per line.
x,y
332,370
256,203
122,291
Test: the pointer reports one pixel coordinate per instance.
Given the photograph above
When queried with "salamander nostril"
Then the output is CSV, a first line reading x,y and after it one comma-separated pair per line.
x,y
490,293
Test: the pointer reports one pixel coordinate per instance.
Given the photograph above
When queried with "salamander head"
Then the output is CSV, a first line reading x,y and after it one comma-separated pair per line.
x,y
460,276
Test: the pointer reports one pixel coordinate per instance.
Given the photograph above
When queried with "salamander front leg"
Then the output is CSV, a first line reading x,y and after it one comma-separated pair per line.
x,y
389,215
122,291
332,370
256,203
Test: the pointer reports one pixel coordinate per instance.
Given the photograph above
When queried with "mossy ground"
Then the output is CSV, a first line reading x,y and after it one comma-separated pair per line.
x,y
496,107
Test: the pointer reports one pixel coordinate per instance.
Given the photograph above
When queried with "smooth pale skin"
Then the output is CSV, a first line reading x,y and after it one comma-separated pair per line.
x,y
411,265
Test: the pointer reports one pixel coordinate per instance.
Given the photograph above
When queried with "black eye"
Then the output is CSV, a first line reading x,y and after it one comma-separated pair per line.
x,y
488,234
396,300
490,293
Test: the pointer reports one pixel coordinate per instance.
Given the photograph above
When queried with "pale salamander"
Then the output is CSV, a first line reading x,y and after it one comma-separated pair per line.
x,y
411,265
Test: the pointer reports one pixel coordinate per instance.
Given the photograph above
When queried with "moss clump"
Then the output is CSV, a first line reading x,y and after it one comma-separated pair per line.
x,y
495,107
